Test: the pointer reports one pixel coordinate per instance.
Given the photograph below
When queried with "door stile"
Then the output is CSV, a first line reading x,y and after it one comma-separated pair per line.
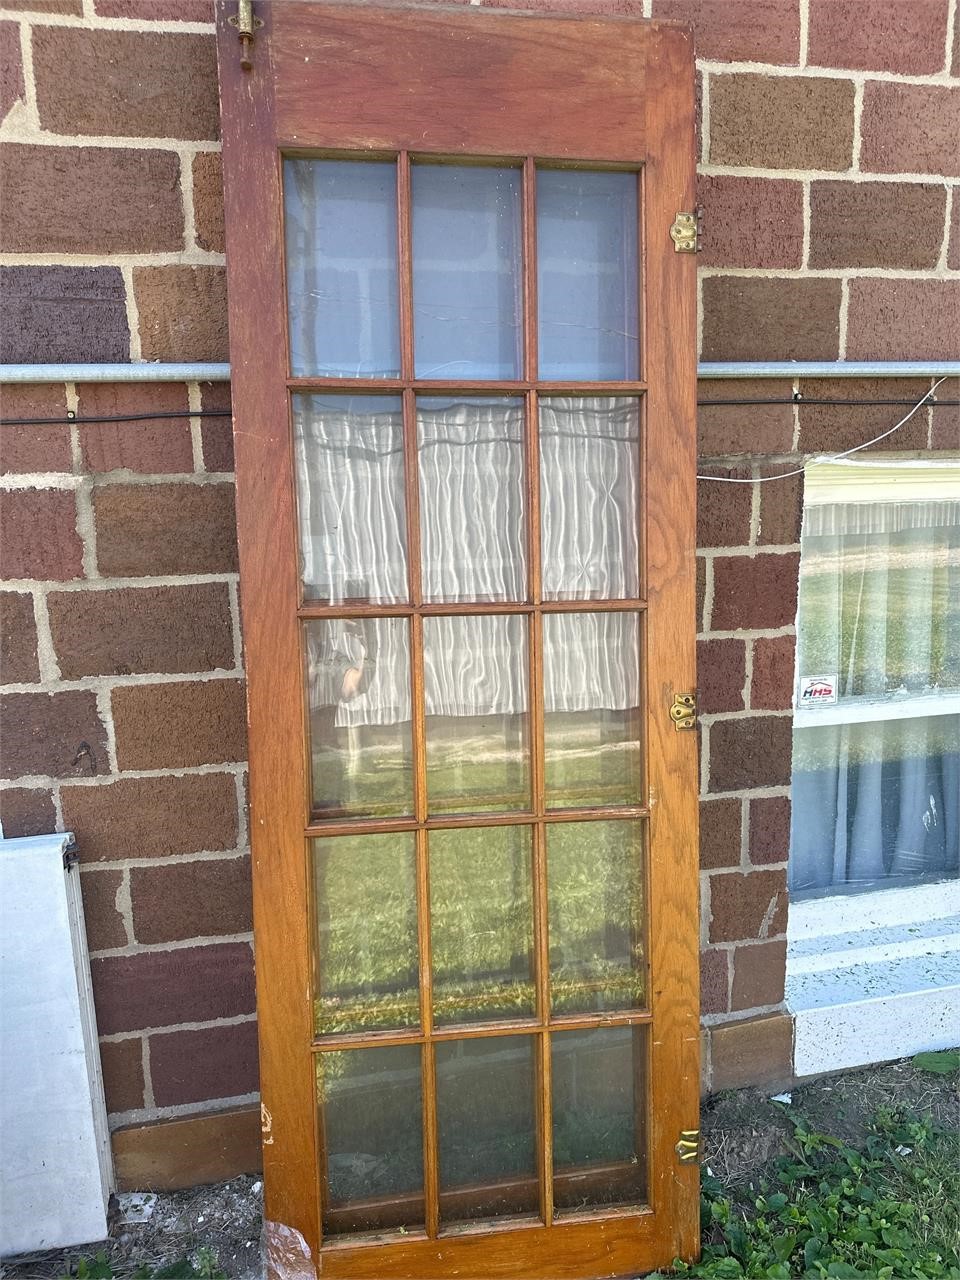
x,y
669,357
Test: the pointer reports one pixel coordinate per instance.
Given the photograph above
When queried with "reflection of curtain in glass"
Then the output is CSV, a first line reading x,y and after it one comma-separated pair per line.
x,y
878,799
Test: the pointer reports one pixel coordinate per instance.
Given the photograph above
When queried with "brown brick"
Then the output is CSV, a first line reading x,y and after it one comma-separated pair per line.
x,y
137,630
11,68
714,982
217,433
126,83
758,974
18,639
57,735
757,1051
832,428
908,39
38,535
903,320
27,811
103,922
739,30
769,833
752,752
156,10
746,906
721,673
63,315
755,593
781,122
165,529
163,988
701,592
910,128
183,312
152,817
122,1063
876,224
212,1146
953,249
195,1066
720,833
781,508
946,420
750,222
154,446
195,899
208,200
750,318
55,200
39,447
772,686
723,510
171,726
757,429
74,8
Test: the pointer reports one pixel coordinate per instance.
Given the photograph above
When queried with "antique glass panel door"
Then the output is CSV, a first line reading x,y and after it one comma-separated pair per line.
x,y
463,364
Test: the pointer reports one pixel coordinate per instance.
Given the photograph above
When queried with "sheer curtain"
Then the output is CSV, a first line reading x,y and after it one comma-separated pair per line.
x,y
876,773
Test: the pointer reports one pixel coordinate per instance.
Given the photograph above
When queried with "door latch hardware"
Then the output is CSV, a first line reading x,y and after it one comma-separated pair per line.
x,y
684,232
683,713
688,1148
247,24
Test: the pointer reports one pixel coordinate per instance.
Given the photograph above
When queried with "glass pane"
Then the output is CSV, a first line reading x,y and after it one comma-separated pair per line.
x,y
353,524
341,233
481,912
371,1135
466,271
596,913
475,684
590,497
588,274
358,682
473,535
591,722
486,1127
365,906
599,1106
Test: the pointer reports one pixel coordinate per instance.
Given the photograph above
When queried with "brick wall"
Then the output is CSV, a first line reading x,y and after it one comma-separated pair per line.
x,y
828,165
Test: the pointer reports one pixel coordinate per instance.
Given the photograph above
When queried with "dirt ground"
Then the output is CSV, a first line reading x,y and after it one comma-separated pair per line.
x,y
743,1132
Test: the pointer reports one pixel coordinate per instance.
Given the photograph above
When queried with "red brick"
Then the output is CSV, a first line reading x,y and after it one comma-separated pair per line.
x,y
63,315
772,686
910,128
42,447
217,432
953,248
74,8
57,735
195,899
769,832
714,982
163,988
208,200
156,10
196,1066
126,83
701,592
905,38
752,752
830,428
758,975
165,529
720,833
154,446
750,222
103,922
11,68
756,593
757,1051
876,224
122,1063
723,509
781,122
903,320
946,420
27,811
152,817
138,630
750,428
171,726
781,507
745,906
183,312
39,536
739,30
18,639
55,200
751,318
721,674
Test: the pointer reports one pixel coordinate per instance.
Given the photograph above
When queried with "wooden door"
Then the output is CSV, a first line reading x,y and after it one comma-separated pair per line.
x,y
463,369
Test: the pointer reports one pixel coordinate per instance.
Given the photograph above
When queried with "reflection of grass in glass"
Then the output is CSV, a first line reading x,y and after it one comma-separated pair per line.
x,y
926,737
591,758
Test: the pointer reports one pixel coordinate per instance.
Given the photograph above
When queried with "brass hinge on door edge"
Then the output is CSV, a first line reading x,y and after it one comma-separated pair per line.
x,y
683,711
685,232
247,24
688,1148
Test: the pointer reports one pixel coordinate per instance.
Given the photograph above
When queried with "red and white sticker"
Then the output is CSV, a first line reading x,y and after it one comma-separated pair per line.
x,y
817,691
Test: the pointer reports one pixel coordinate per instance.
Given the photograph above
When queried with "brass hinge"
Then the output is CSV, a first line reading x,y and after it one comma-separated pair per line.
x,y
247,24
688,1148
685,232
683,712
